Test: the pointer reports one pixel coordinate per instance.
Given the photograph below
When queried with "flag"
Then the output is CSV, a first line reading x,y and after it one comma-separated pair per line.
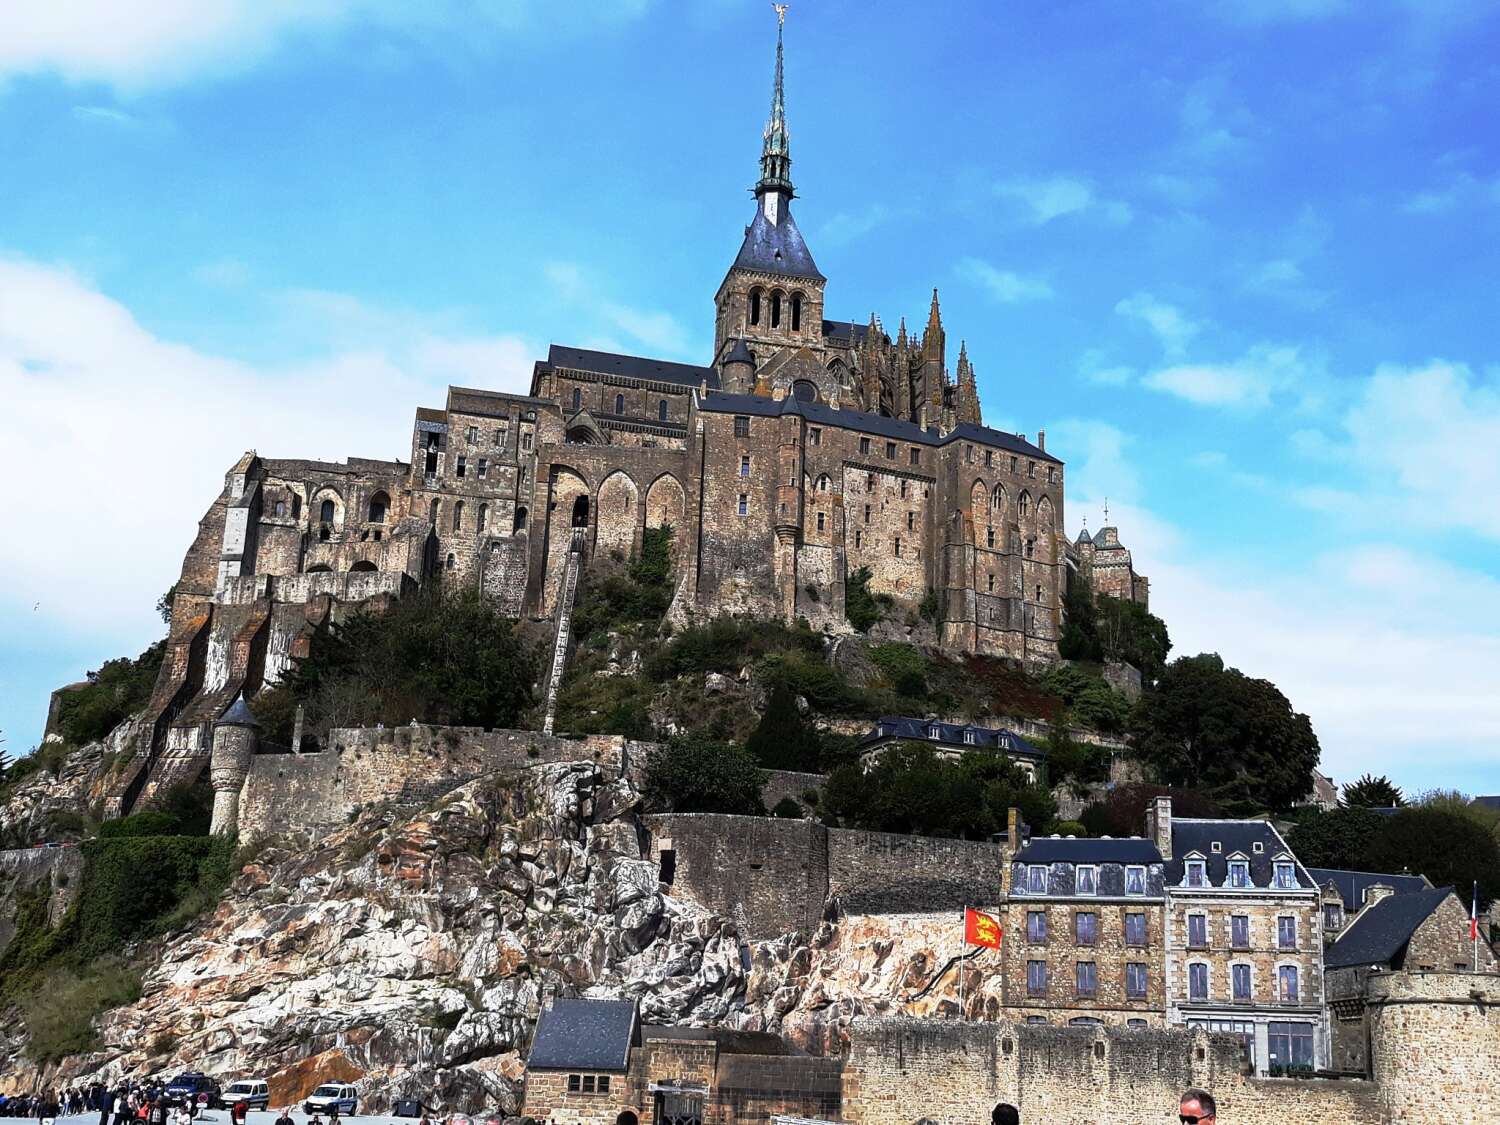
x,y
981,929
1474,915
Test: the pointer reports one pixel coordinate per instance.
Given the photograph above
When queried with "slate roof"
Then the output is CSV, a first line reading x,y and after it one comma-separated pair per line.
x,y
1236,837
631,366
238,715
1049,849
1352,885
1378,936
842,330
950,734
866,422
1489,802
585,1035
776,247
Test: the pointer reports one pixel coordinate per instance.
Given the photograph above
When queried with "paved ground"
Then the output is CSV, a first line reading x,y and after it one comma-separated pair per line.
x,y
221,1117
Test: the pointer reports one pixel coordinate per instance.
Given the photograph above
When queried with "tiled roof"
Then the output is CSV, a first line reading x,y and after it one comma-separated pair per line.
x,y
1235,838
1352,885
949,734
842,330
1053,849
631,366
584,1035
776,247
1378,936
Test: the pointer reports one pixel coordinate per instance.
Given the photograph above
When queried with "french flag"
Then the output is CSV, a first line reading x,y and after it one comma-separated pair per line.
x,y
1474,915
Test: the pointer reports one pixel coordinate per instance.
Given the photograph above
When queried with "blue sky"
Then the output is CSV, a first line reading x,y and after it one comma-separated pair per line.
x,y
1238,259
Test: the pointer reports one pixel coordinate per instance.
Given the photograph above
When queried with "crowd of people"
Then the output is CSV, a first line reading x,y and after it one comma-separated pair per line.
x,y
130,1103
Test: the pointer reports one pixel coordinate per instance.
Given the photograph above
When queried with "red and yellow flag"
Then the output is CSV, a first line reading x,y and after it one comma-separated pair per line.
x,y
981,929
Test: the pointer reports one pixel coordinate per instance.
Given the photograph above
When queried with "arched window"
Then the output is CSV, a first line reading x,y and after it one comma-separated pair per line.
x,y
661,410
364,566
378,505
776,310
458,515
755,306
824,483
296,506
320,569
577,397
519,522
1004,1114
435,512
325,511
997,499
484,516
619,404
452,561
581,512
1023,504
796,312
280,509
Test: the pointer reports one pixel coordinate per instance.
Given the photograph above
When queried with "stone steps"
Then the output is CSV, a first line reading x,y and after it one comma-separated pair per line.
x,y
564,625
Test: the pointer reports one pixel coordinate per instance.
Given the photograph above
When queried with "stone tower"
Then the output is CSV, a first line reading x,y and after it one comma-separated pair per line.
x,y
235,737
772,295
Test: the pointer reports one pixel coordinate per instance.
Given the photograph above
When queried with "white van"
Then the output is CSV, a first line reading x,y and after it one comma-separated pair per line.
x,y
330,1096
254,1092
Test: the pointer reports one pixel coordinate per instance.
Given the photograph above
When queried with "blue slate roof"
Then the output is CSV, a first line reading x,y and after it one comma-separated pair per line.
x,y
888,727
1048,849
630,366
238,715
1352,885
1235,838
585,1035
776,247
845,330
1379,935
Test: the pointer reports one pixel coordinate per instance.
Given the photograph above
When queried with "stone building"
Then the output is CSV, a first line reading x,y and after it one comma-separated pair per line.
x,y
951,740
1106,564
1084,933
804,453
1423,930
1244,946
1344,894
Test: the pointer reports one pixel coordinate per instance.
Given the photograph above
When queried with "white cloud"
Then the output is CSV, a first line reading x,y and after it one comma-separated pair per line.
x,y
1004,286
1172,328
1096,456
648,328
226,273
134,46
1463,190
1248,383
847,226
132,434
1050,197
1095,368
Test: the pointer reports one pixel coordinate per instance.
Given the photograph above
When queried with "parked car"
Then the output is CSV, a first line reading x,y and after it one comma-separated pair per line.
x,y
254,1092
192,1088
332,1095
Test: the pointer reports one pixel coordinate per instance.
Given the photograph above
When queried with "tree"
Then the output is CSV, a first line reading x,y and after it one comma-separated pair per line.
x,y
1451,849
1090,701
1123,811
1371,793
164,603
1131,633
1080,635
115,690
1214,728
784,739
697,774
861,607
1340,838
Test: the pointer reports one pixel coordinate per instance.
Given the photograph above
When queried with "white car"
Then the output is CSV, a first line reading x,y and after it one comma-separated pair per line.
x,y
332,1096
254,1092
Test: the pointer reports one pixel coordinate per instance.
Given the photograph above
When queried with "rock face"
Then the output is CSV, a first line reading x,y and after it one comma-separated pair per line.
x,y
411,953
78,786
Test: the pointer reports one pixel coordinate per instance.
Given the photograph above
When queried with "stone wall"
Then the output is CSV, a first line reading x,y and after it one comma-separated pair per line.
x,y
1435,1045
900,1070
887,872
414,764
1442,942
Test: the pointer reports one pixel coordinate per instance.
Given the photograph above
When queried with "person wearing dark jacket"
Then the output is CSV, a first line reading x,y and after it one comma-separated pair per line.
x,y
106,1106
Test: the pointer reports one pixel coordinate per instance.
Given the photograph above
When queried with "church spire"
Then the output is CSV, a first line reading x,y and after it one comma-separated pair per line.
x,y
775,151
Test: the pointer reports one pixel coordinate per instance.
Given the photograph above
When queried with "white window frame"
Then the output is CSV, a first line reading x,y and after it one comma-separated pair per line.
x,y
1093,871
1242,865
1036,873
1291,869
1135,869
1192,866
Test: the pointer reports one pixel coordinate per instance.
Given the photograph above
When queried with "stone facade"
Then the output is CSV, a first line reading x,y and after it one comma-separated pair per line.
x,y
806,451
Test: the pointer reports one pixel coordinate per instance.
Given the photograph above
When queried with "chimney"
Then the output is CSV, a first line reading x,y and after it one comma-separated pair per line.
x,y
1159,825
1041,440
1377,891
1013,829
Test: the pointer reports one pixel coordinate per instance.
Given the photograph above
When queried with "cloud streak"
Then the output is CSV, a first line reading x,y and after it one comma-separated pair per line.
x,y
1003,286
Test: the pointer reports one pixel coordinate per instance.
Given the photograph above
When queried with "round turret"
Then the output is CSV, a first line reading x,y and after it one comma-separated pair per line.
x,y
737,369
235,736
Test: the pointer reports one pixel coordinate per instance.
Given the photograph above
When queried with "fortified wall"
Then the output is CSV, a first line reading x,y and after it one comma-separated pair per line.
x,y
1435,1048
777,875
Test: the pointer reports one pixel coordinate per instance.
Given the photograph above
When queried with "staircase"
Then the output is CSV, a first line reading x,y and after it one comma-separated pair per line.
x,y
565,597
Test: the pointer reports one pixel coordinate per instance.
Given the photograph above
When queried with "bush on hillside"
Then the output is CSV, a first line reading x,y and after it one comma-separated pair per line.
x,y
1090,701
727,644
1123,811
114,691
697,774
862,607
639,596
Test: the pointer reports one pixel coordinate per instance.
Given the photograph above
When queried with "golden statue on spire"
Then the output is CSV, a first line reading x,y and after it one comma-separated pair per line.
x,y
780,13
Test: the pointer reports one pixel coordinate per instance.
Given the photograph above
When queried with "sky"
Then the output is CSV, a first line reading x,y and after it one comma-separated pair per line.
x,y
1238,259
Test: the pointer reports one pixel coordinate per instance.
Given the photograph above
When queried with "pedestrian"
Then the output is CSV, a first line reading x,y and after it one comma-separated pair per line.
x,y
47,1108
286,1116
238,1111
1197,1108
106,1100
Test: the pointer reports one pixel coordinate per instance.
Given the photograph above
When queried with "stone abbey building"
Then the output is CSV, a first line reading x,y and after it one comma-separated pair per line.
x,y
806,451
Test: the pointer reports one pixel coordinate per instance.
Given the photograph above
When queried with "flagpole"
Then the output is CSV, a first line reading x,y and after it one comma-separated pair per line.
x,y
1474,925
963,944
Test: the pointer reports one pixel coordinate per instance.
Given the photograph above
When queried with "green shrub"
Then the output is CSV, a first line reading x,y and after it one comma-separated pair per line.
x,y
140,824
904,666
931,608
861,607
784,740
787,809
696,774
588,703
59,1012
1070,828
114,691
727,644
1090,701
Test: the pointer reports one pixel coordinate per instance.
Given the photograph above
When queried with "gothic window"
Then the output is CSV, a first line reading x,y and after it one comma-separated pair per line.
x,y
458,516
619,404
577,397
280,509
1023,505
755,306
661,411
378,505
519,522
804,390
796,312
434,512
296,506
776,310
484,516
824,483
997,499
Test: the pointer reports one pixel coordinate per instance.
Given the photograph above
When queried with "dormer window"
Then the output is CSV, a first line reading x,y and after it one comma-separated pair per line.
x,y
934,732
1088,880
1286,876
1239,873
1036,879
1135,880
1196,873
969,737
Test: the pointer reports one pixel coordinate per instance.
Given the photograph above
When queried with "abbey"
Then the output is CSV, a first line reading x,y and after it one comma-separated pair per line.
x,y
808,453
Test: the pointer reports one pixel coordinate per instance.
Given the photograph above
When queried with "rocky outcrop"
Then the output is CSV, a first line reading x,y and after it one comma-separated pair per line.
x,y
77,786
412,953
